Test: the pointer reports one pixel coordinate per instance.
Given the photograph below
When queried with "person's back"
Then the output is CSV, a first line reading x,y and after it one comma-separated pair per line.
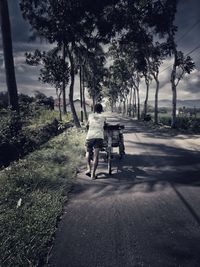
x,y
94,138
96,124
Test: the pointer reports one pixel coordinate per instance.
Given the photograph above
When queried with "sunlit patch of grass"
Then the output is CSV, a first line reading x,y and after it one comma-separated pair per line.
x,y
33,192
45,116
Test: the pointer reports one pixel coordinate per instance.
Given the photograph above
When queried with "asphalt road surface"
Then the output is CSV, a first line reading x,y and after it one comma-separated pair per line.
x,y
147,213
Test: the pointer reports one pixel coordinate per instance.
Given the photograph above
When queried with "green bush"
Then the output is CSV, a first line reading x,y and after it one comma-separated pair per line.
x,y
166,120
189,124
183,123
40,182
20,135
195,125
10,125
43,116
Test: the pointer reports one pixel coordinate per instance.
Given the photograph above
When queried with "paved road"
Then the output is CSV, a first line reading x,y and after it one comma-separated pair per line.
x,y
146,214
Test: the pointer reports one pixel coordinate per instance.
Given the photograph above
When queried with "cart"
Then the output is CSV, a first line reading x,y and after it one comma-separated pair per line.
x,y
113,137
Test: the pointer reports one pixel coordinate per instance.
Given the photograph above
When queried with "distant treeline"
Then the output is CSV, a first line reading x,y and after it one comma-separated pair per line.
x,y
39,98
181,110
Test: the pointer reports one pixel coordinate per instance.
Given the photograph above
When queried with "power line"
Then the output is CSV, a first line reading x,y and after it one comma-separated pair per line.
x,y
189,30
194,49
166,68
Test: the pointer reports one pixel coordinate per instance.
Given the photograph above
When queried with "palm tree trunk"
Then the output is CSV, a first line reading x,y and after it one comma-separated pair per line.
x,y
71,91
81,94
124,106
146,98
58,92
120,106
134,102
156,101
127,108
84,104
138,103
130,102
64,85
115,106
93,102
174,93
8,55
174,100
111,104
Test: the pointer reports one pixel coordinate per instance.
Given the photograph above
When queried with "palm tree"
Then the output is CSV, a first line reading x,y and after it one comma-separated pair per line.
x,y
8,55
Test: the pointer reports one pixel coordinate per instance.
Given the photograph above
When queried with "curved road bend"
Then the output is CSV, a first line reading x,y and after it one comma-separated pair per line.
x,y
146,214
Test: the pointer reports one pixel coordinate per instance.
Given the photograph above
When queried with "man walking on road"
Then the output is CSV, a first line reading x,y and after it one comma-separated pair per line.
x,y
94,139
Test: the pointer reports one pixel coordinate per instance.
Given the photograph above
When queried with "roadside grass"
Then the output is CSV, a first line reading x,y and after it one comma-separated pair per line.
x,y
44,116
184,124
33,192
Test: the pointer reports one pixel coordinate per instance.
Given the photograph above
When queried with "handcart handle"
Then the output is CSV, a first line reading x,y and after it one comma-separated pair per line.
x,y
113,127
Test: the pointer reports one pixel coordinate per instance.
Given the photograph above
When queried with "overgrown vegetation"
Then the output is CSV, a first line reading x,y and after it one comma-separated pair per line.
x,y
188,124
33,192
24,132
185,124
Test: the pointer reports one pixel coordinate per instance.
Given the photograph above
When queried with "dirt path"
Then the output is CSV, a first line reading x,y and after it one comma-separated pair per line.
x,y
146,214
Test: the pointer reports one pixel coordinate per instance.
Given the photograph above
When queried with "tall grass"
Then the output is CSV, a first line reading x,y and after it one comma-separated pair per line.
x,y
44,116
33,192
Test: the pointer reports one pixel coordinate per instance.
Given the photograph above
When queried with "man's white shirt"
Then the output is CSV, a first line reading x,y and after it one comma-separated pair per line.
x,y
96,126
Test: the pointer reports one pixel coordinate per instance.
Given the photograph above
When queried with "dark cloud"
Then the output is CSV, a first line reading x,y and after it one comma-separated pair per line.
x,y
26,76
192,82
188,22
188,38
20,28
194,89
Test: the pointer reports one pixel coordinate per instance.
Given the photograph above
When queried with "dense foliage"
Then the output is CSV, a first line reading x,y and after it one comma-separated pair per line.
x,y
186,124
24,132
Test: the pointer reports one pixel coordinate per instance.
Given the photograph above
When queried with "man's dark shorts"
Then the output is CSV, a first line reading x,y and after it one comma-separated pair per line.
x,y
93,143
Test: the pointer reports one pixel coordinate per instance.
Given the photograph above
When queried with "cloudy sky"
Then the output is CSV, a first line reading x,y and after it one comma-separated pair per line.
x,y
188,40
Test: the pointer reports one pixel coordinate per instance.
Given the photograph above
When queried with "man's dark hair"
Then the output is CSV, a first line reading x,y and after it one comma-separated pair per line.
x,y
98,108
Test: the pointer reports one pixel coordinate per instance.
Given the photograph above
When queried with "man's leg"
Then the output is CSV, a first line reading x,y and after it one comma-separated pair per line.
x,y
88,163
95,162
88,158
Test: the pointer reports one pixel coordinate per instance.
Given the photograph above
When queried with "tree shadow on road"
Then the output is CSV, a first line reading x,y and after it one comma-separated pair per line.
x,y
166,164
157,132
165,168
169,134
162,173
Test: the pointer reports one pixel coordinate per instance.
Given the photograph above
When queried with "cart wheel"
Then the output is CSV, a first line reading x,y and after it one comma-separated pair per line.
x,y
121,151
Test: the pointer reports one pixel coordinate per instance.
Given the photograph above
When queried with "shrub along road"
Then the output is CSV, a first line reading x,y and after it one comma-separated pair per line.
x,y
146,213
